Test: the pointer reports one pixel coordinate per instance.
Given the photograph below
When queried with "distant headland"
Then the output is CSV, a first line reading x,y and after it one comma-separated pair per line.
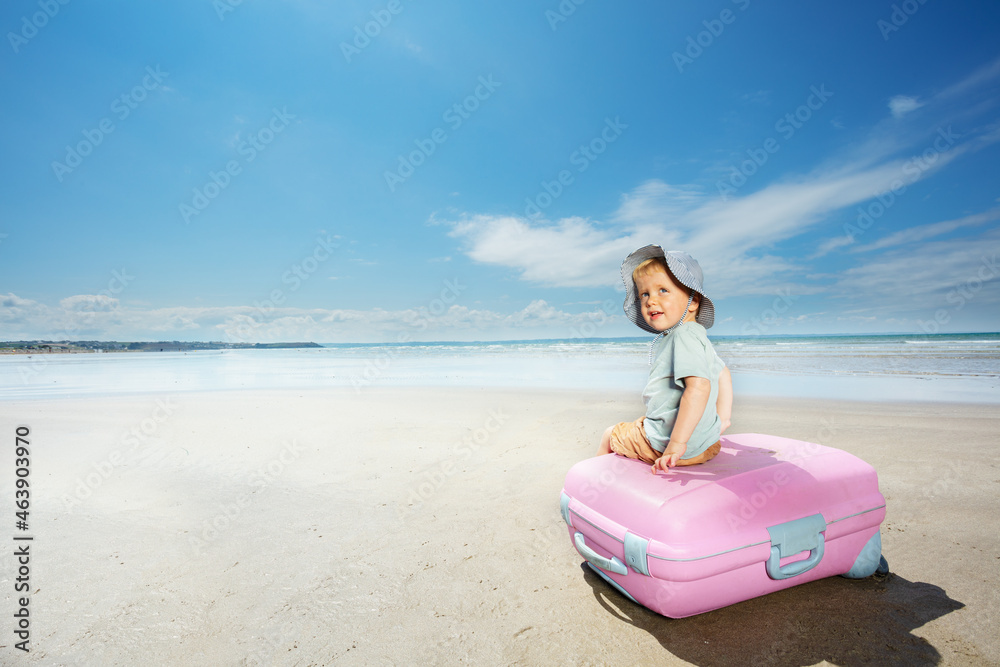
x,y
76,346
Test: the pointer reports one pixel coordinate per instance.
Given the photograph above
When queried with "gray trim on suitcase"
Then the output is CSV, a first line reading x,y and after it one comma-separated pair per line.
x,y
851,516
611,581
596,526
686,560
564,508
649,555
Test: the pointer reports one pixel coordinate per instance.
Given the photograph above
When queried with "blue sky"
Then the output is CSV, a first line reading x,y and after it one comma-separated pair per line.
x,y
207,170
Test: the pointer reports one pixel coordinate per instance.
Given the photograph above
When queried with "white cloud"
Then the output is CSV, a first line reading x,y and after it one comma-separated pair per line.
x,y
761,97
900,105
90,303
922,232
11,300
734,239
729,238
33,321
173,322
920,278
969,84
413,47
832,244
571,253
654,201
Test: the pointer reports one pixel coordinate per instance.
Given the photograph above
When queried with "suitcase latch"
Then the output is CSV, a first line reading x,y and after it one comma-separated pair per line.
x,y
635,553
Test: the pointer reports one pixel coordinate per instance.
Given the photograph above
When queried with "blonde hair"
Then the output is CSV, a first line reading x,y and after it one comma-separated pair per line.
x,y
647,266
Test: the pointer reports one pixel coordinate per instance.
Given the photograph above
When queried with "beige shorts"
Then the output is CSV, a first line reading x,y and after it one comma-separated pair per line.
x,y
629,439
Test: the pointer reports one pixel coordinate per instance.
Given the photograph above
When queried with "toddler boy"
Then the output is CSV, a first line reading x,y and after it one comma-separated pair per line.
x,y
689,394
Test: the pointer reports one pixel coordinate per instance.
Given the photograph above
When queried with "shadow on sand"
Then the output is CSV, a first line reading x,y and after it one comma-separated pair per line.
x,y
846,622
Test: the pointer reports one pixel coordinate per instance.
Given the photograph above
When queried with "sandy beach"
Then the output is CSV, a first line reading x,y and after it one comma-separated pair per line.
x,y
421,526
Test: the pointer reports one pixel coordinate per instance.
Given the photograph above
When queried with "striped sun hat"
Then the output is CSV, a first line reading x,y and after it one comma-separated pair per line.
x,y
685,270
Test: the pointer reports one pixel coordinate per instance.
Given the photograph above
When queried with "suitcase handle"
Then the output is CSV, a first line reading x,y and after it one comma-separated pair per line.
x,y
776,571
610,564
794,537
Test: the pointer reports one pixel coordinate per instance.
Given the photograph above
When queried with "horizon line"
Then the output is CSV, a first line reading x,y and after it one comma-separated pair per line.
x,y
508,340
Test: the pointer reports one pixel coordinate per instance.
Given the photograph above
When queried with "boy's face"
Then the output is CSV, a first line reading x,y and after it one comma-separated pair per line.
x,y
663,299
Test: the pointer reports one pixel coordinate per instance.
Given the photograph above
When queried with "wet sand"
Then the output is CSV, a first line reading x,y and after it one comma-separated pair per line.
x,y
421,525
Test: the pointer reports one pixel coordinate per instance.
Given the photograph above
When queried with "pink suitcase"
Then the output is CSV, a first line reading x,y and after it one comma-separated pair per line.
x,y
767,513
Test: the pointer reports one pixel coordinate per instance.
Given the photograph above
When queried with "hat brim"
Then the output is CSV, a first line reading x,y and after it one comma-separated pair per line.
x,y
633,309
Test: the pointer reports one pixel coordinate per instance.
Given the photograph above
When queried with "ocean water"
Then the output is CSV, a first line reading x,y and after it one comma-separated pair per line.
x,y
955,367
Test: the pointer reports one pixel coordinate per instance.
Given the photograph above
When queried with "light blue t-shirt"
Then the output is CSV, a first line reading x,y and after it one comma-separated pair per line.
x,y
685,352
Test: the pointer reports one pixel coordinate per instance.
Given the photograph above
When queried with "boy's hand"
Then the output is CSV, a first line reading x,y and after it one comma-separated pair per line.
x,y
674,451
